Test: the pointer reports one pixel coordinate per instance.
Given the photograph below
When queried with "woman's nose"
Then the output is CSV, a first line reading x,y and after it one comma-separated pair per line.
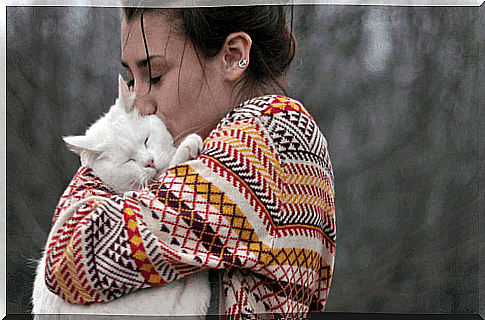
x,y
145,106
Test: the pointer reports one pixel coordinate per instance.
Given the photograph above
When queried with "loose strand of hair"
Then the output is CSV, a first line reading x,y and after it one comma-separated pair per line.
x,y
129,14
149,63
179,73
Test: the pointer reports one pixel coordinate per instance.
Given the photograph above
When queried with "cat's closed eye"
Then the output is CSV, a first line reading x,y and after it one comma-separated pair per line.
x,y
146,142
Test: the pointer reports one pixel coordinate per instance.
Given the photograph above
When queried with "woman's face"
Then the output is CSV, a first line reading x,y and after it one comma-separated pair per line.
x,y
189,95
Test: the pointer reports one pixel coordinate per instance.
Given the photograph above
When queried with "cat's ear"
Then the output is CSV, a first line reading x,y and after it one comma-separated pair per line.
x,y
126,97
78,143
82,146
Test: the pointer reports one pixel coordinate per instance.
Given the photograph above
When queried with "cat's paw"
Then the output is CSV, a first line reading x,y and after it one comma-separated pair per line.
x,y
194,144
189,148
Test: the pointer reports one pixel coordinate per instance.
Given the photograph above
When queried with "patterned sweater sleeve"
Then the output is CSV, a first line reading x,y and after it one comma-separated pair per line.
x,y
258,198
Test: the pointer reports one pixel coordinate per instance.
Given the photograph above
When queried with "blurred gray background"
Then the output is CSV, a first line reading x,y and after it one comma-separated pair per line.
x,y
397,92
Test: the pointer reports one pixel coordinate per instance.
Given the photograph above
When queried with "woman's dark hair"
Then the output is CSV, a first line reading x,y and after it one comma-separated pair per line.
x,y
273,44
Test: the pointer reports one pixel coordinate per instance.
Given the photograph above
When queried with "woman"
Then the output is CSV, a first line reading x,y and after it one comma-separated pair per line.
x,y
256,207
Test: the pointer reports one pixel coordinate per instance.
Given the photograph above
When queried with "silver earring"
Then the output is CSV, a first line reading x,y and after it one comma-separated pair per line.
x,y
243,63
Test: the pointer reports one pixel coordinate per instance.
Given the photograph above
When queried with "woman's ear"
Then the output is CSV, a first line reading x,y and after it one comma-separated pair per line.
x,y
235,53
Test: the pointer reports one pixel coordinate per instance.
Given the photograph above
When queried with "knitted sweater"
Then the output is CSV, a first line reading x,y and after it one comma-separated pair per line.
x,y
258,204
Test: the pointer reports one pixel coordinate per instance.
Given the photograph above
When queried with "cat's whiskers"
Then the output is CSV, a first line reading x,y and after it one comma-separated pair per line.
x,y
148,178
133,185
129,184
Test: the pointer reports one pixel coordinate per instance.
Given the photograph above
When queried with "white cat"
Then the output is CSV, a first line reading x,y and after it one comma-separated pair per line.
x,y
128,151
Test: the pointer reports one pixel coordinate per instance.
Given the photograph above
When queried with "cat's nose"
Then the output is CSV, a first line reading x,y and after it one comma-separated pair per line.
x,y
150,164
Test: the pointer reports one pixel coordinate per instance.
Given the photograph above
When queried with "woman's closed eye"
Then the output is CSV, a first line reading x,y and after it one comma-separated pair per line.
x,y
155,80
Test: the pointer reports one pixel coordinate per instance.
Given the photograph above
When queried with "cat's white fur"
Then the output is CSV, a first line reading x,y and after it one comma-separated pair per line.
x,y
117,149
127,150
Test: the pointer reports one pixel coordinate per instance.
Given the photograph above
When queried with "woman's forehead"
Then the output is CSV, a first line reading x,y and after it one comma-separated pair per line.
x,y
157,29
158,21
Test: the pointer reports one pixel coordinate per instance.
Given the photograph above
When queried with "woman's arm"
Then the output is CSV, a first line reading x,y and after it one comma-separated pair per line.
x,y
225,209
103,246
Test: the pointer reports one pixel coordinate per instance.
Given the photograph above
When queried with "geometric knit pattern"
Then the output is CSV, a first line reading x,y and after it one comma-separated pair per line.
x,y
258,203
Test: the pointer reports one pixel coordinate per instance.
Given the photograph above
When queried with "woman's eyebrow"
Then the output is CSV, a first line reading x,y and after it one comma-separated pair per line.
x,y
143,63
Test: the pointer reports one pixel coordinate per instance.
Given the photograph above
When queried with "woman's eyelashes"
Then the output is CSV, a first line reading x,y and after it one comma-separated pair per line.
x,y
153,81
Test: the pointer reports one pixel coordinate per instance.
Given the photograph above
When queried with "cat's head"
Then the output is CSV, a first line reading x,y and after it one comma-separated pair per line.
x,y
125,149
